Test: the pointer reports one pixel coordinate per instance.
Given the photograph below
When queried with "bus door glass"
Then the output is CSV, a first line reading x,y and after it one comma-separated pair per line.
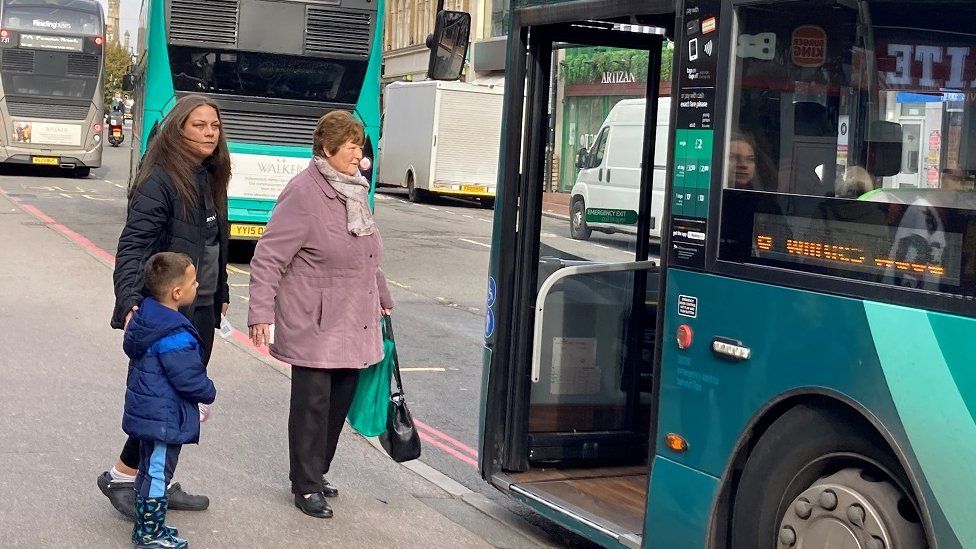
x,y
589,344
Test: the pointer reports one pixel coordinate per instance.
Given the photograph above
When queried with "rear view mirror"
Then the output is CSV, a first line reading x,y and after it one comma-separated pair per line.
x,y
128,82
448,45
884,142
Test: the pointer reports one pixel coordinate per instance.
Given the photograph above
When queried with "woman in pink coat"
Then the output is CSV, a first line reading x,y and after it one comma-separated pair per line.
x,y
316,275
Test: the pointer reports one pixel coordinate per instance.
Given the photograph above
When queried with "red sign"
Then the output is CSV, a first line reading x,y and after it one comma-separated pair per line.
x,y
809,46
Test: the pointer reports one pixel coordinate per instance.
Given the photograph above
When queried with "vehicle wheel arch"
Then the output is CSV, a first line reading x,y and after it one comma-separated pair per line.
x,y
720,521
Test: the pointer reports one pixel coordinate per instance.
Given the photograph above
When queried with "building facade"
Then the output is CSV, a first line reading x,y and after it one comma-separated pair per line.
x,y
112,23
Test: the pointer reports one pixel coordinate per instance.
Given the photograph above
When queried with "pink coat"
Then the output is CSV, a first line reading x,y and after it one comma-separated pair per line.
x,y
321,286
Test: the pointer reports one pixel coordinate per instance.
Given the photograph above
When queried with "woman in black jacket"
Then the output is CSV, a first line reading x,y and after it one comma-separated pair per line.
x,y
178,203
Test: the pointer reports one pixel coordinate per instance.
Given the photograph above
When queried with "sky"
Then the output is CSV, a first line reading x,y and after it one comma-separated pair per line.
x,y
128,18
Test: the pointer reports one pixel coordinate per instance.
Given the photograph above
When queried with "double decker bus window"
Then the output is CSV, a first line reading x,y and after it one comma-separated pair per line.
x,y
851,146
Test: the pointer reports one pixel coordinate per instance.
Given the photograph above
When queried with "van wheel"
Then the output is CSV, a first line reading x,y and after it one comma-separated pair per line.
x,y
487,203
413,193
80,172
817,480
577,221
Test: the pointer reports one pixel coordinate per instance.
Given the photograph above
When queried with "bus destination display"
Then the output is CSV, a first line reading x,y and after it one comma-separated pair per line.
x,y
903,255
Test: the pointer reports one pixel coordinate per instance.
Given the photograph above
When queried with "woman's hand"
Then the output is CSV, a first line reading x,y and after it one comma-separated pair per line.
x,y
260,334
386,312
223,308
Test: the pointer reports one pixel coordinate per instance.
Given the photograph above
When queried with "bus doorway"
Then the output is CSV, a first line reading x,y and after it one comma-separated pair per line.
x,y
569,382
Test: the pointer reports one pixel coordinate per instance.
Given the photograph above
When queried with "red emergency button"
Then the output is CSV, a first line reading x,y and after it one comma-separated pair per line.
x,y
684,336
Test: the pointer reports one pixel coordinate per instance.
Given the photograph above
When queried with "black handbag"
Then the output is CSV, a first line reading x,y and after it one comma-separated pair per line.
x,y
401,439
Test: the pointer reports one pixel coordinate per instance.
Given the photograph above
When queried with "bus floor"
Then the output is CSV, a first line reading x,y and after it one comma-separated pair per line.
x,y
615,496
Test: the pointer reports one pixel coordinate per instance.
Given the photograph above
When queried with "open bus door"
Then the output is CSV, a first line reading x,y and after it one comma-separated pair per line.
x,y
570,336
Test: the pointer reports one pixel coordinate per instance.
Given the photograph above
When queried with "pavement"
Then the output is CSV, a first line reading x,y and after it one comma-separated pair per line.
x,y
62,379
556,205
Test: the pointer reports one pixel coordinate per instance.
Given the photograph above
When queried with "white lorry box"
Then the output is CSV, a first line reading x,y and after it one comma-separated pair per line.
x,y
441,138
608,185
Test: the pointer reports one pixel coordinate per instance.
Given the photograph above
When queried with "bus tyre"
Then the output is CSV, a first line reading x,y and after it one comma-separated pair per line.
x,y
817,481
577,220
413,193
81,172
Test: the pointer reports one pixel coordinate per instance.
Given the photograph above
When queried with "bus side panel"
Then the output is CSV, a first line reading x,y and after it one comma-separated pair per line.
x,y
158,93
679,503
809,342
368,106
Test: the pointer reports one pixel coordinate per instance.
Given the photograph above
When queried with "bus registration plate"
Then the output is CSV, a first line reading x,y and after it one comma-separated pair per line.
x,y
473,189
46,160
238,230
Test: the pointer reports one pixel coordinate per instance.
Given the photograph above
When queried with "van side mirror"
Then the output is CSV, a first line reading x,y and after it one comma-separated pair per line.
x,y
581,159
128,82
448,45
884,141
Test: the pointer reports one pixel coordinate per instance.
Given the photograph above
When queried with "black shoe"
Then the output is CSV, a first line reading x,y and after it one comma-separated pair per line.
x,y
121,494
181,501
328,490
313,505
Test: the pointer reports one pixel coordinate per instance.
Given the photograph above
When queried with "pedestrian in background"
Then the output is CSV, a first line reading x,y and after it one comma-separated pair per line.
x,y
167,382
316,275
178,203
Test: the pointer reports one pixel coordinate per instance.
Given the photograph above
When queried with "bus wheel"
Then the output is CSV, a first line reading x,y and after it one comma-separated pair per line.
x,y
413,193
817,481
81,172
577,221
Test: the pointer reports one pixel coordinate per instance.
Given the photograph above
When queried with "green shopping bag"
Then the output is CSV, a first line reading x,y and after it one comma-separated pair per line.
x,y
371,403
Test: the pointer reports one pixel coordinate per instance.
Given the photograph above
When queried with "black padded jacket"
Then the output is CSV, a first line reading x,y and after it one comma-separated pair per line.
x,y
157,222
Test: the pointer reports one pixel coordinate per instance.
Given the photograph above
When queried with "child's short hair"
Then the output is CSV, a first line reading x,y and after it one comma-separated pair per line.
x,y
164,271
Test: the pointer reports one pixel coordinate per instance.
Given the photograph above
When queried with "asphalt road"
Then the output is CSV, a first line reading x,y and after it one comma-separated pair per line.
x,y
436,260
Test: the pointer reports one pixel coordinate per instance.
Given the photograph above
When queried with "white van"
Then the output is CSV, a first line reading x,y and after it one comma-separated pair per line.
x,y
606,194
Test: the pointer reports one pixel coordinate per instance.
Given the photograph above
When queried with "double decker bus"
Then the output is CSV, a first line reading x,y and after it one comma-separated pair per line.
x,y
274,68
794,365
51,99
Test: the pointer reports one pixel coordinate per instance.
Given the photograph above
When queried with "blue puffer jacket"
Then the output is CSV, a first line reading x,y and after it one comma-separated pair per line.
x,y
166,376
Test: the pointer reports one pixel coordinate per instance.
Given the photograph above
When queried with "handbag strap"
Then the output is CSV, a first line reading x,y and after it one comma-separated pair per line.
x,y
388,324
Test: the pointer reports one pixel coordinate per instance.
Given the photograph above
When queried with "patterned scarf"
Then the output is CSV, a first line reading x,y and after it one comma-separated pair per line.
x,y
353,191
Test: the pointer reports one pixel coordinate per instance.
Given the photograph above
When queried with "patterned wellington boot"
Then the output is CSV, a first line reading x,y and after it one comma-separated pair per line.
x,y
150,530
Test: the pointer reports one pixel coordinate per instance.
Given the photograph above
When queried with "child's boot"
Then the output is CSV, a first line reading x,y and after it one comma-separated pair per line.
x,y
150,530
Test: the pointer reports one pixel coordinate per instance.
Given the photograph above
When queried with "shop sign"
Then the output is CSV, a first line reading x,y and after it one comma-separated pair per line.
x,y
618,77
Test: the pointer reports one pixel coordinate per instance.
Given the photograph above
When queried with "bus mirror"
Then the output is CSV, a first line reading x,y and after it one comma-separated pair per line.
x,y
128,82
448,45
884,143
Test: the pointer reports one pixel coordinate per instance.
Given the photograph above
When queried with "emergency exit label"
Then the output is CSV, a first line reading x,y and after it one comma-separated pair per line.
x,y
603,215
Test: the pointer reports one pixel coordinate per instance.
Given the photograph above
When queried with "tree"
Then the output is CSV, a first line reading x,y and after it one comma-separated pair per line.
x,y
117,62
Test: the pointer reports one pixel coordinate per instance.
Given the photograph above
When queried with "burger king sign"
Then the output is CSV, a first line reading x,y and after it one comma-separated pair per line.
x,y
809,46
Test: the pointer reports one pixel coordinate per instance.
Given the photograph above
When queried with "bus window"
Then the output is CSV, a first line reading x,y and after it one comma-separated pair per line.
x,y
863,134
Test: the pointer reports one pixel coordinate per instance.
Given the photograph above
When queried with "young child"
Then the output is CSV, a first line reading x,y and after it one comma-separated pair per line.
x,y
166,382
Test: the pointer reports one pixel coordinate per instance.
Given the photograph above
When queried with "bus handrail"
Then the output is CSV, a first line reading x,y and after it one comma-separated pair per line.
x,y
556,277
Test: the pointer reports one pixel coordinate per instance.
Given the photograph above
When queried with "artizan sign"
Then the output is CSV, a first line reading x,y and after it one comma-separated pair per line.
x,y
618,77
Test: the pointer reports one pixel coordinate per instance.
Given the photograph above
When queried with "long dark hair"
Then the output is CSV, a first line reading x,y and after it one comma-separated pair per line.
x,y
169,152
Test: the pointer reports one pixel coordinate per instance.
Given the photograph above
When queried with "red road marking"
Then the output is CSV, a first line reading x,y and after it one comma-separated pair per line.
x,y
427,433
457,444
77,238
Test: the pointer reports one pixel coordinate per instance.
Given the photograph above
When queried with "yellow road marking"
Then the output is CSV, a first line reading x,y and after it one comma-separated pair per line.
x,y
234,269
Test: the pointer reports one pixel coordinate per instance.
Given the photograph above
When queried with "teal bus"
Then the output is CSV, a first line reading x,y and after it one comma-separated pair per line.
x,y
274,68
794,365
